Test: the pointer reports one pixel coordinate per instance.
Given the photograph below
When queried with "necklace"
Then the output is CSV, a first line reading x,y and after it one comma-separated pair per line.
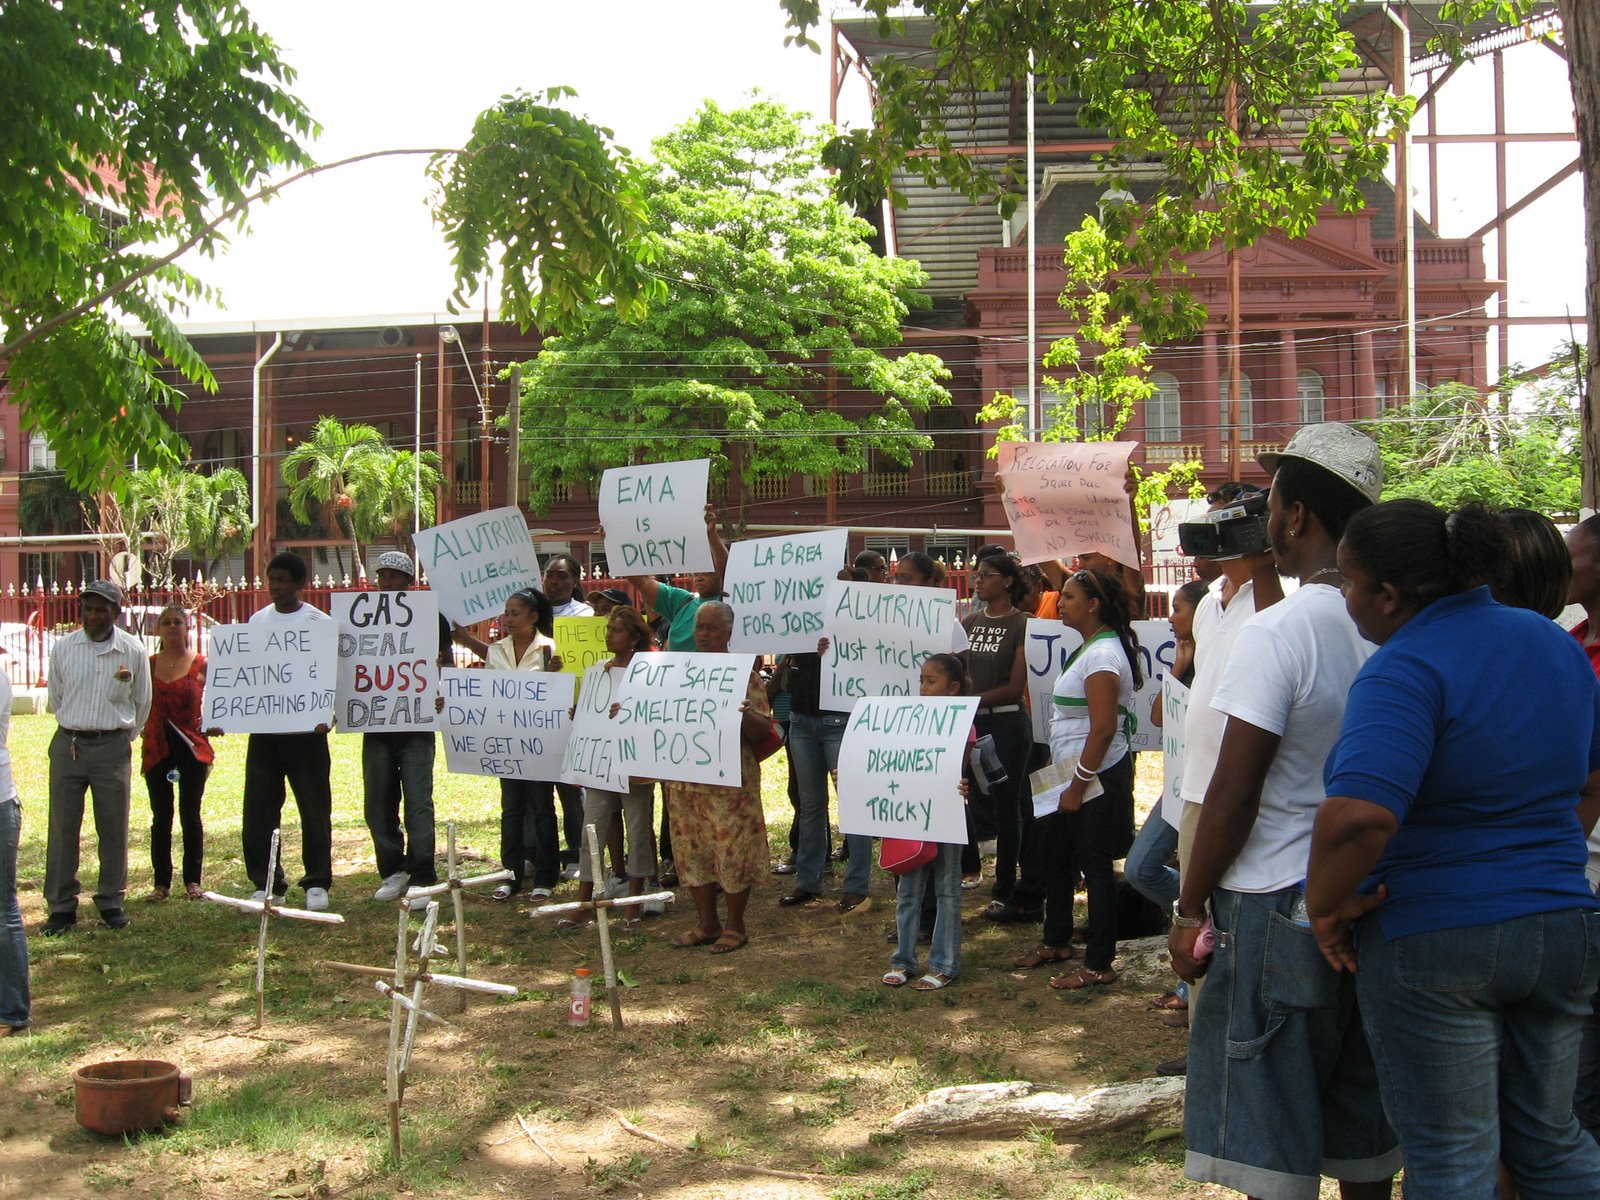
x,y
1316,575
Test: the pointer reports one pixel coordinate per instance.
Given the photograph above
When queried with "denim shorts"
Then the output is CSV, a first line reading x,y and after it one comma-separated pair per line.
x,y
1281,1086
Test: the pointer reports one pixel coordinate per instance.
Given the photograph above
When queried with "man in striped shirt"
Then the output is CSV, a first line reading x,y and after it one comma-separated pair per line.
x,y
100,694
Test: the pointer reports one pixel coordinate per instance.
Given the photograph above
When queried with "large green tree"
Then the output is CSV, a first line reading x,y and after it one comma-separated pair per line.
x,y
774,301
136,134
165,513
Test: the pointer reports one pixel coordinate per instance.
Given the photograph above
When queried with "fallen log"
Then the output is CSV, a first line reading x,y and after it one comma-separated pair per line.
x,y
1018,1106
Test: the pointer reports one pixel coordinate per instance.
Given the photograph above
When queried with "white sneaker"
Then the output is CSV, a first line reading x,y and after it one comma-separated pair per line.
x,y
616,886
259,897
654,908
317,899
570,871
393,887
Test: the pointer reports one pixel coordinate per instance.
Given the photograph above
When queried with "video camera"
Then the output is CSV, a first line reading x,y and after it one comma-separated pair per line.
x,y
1231,532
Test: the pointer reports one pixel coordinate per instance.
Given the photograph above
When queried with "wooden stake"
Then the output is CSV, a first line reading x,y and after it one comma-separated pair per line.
x,y
597,870
392,1062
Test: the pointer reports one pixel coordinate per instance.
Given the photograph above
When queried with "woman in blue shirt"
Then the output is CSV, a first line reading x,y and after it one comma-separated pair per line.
x,y
1463,785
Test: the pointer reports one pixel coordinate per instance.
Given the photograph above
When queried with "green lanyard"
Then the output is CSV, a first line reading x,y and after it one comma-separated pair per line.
x,y
1130,722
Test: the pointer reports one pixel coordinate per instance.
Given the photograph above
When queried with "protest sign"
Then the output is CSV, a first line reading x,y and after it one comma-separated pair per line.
x,y
581,642
879,635
509,724
388,654
475,562
682,714
1066,498
1174,709
776,587
270,678
900,767
600,748
655,518
1050,644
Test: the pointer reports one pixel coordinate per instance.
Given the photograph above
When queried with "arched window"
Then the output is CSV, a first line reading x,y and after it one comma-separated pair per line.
x,y
1162,419
1247,424
40,456
1313,399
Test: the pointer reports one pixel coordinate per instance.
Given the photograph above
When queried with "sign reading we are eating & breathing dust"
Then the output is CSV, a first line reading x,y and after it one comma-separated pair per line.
x,y
272,678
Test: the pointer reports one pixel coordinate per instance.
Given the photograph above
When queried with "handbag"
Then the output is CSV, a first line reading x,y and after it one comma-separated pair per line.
x,y
769,745
903,855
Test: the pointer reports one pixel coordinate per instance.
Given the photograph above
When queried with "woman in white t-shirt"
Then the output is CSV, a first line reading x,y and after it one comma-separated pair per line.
x,y
1091,719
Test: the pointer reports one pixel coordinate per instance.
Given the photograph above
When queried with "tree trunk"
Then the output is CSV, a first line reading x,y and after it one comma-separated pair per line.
x,y
1580,20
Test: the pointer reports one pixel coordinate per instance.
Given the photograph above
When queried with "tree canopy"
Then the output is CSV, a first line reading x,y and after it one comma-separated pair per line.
x,y
137,134
774,301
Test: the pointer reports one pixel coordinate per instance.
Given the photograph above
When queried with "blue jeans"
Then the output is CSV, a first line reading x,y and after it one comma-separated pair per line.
x,y
944,956
1475,1033
813,753
13,941
1146,867
398,767
1586,1099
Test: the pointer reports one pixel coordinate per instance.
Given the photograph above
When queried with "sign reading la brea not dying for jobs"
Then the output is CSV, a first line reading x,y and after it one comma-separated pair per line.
x,y
475,562
777,587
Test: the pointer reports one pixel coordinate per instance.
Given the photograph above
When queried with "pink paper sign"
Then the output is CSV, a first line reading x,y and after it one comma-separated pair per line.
x,y
1066,498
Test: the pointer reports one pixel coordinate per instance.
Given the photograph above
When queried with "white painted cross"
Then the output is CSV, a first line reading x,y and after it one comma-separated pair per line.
x,y
453,883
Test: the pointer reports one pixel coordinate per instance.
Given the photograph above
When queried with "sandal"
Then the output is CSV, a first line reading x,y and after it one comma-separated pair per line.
x,y
932,982
1081,978
691,938
1170,1002
502,891
195,891
157,895
566,923
729,941
895,977
1042,954
630,924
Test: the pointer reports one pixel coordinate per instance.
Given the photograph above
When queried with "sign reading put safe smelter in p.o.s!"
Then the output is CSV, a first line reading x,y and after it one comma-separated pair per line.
x,y
681,712
900,767
388,660
475,562
270,678
654,518
777,588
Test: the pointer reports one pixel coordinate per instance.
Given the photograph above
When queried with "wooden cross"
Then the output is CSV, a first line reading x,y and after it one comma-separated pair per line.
x,y
403,985
600,907
453,883
268,909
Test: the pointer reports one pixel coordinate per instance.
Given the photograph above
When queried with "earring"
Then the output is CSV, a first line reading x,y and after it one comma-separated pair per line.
x,y
1294,533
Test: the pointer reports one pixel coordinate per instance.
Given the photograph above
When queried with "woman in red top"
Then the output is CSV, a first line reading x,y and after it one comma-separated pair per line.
x,y
175,752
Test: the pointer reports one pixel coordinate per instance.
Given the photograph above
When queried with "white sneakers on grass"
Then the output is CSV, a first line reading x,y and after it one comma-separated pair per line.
x,y
317,899
393,887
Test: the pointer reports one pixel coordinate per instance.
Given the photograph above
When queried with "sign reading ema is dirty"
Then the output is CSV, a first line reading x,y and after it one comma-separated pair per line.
x,y
654,518
475,562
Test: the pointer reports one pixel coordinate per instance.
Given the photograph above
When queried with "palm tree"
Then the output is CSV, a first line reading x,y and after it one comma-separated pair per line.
x,y
330,469
385,507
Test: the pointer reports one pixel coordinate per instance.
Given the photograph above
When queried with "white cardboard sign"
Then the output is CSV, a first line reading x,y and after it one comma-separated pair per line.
x,y
776,587
509,724
270,678
879,635
598,750
1174,710
682,712
475,562
655,518
388,661
1050,644
900,767
1067,498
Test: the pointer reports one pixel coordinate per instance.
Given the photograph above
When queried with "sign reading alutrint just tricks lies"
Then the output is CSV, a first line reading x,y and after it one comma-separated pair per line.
x,y
509,724
879,635
388,647
1067,498
475,562
776,587
900,767
270,678
654,518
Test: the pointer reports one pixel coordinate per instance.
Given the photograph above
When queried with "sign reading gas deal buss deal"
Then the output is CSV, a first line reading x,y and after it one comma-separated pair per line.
x,y
1066,498
900,767
654,518
270,678
600,747
388,654
879,635
682,713
776,587
509,724
475,562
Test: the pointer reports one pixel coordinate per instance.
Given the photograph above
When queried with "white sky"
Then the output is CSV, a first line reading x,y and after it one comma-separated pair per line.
x,y
383,74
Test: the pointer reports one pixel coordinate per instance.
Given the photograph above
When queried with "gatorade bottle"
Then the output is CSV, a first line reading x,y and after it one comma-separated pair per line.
x,y
578,1005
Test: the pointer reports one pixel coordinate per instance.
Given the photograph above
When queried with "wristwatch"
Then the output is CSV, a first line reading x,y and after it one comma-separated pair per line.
x,y
1183,922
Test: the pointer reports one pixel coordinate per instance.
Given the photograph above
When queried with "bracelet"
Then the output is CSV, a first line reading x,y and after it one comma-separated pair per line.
x,y
1083,773
1182,922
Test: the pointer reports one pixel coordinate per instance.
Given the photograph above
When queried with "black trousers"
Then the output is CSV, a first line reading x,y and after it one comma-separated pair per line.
x,y
1086,843
191,790
300,760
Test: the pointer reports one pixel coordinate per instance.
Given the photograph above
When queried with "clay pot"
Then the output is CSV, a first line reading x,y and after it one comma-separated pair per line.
x,y
136,1095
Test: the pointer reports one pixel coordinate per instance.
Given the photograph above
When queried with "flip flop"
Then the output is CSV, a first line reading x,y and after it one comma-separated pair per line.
x,y
1041,954
1081,978
1170,1002
503,891
566,923
894,977
690,938
932,982
729,941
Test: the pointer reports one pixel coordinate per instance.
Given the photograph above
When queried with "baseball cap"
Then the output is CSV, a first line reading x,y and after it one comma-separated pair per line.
x,y
105,589
1336,448
615,595
395,560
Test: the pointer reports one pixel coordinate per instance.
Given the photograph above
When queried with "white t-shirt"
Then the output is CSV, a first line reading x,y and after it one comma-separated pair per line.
x,y
1290,674
1069,722
573,608
1215,629
271,616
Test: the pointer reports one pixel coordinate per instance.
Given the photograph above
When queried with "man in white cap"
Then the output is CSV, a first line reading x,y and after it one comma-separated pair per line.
x,y
100,693
1282,1089
397,768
